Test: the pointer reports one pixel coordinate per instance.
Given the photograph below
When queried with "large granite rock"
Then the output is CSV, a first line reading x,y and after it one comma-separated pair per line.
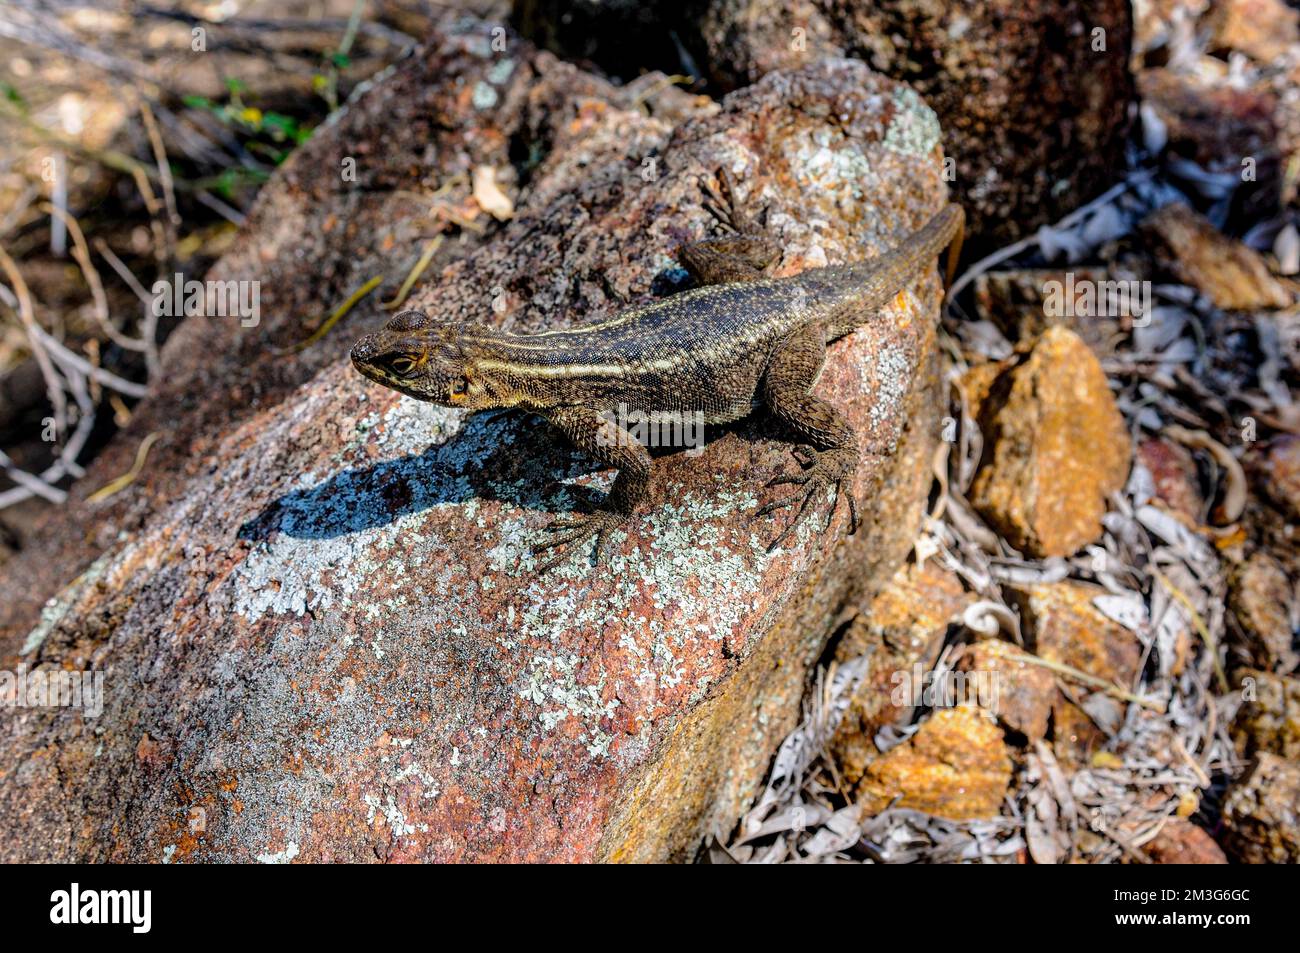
x,y
1033,94
320,632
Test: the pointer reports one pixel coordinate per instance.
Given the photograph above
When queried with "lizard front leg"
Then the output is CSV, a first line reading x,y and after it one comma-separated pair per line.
x,y
832,459
743,254
601,437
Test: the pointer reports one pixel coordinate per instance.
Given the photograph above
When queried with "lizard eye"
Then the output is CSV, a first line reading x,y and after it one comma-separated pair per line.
x,y
459,386
402,365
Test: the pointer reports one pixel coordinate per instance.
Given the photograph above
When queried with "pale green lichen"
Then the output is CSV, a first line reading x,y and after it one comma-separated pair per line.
x,y
314,562
500,72
279,857
914,130
692,572
887,376
485,97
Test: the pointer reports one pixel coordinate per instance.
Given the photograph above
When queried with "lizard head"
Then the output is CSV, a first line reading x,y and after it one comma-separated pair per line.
x,y
422,358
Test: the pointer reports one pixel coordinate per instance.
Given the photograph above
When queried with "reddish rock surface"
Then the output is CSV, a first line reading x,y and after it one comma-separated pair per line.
x,y
1182,842
320,632
1056,447
1173,471
1025,152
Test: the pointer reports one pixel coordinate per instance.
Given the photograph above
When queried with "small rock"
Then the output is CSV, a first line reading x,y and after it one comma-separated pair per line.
x,y
1056,448
1262,812
978,381
1269,718
1024,693
1182,842
1173,471
1262,600
1063,626
1262,29
956,766
1233,276
903,629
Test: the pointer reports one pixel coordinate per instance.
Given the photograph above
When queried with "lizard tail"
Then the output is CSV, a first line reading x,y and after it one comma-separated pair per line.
x,y
883,277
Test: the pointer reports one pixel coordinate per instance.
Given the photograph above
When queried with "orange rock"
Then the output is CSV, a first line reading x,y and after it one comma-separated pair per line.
x,y
904,626
976,383
1233,276
1262,29
1058,448
956,766
1063,626
1023,692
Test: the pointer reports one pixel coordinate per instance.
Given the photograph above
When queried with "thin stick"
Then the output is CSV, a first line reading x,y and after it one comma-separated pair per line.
x,y
160,158
81,252
1091,680
53,385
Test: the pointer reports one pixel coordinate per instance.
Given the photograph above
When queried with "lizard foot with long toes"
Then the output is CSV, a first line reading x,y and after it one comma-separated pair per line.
x,y
822,470
568,533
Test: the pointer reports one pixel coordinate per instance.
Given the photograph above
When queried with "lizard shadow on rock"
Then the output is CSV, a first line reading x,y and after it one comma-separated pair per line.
x,y
512,457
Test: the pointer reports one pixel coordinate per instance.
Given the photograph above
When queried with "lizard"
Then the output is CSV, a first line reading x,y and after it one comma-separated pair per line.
x,y
736,342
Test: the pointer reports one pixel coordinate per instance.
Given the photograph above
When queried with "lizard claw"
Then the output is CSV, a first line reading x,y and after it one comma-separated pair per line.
x,y
785,479
566,534
828,470
720,202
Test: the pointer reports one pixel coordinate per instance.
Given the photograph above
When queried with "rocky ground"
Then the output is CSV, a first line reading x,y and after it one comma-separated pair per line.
x,y
1107,575
1067,633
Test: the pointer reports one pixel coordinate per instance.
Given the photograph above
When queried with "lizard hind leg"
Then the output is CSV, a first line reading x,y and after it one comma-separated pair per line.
x,y
830,459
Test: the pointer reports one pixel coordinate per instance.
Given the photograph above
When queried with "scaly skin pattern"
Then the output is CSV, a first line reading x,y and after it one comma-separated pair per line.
x,y
738,342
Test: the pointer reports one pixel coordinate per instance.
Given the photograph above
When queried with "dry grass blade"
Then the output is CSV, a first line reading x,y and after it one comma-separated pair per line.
x,y
129,477
336,315
413,276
